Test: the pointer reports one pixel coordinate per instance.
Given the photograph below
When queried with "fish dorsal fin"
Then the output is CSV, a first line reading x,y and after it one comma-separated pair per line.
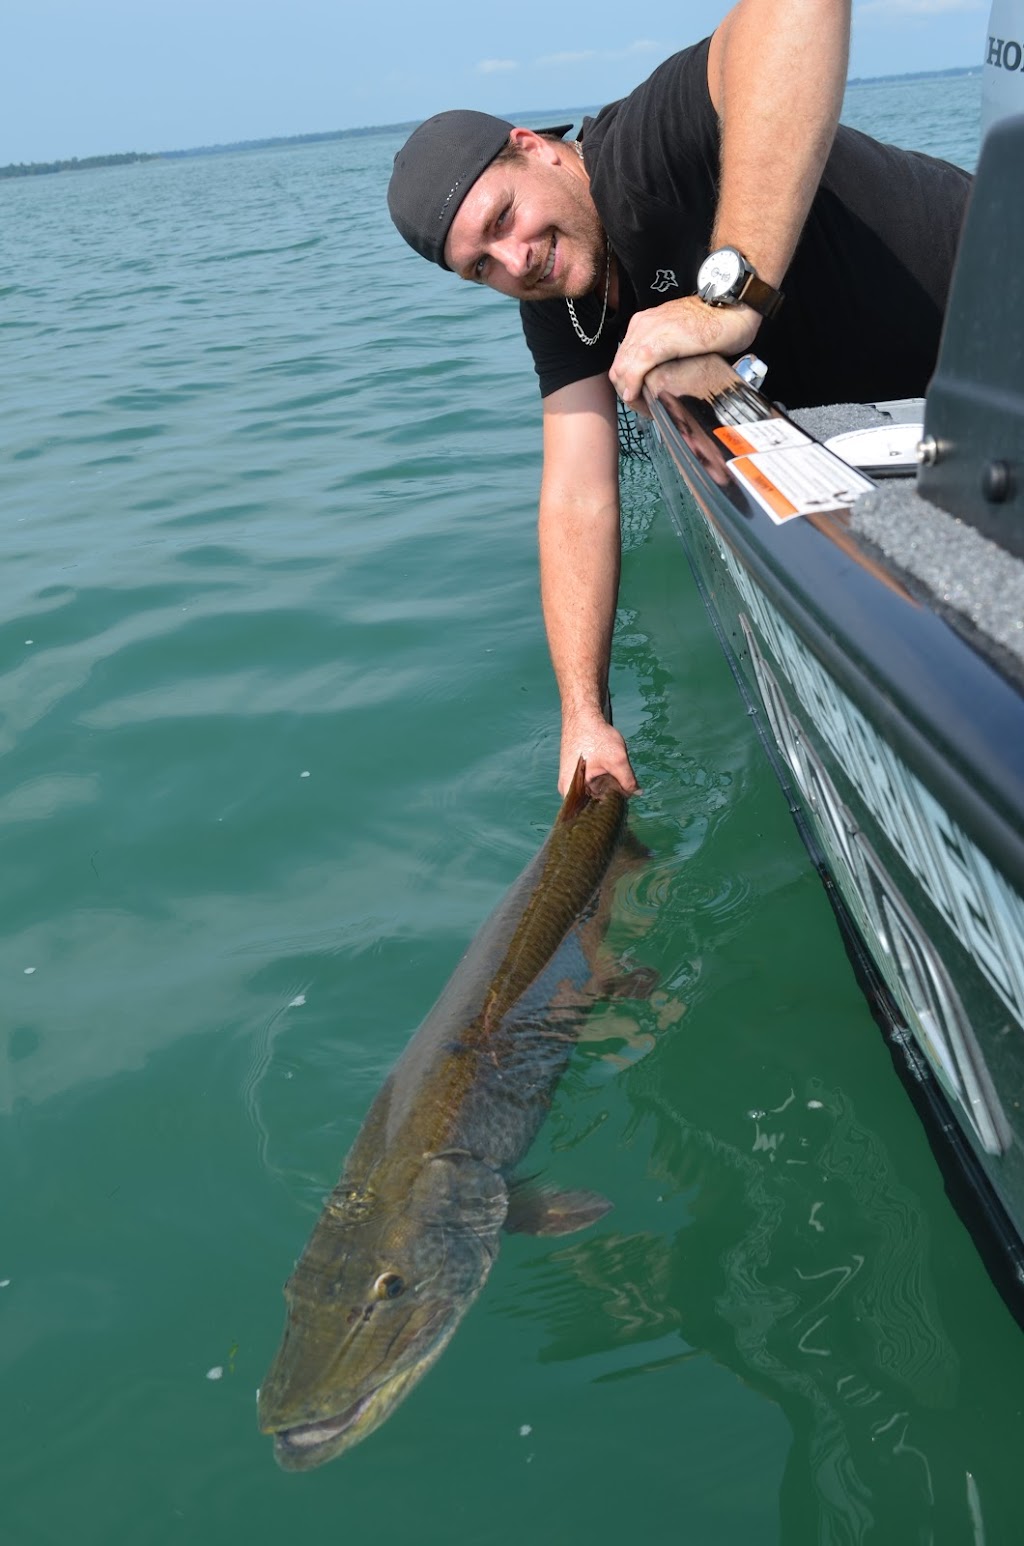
x,y
576,796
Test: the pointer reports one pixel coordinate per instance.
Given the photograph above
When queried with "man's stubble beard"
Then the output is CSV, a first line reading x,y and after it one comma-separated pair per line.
x,y
594,243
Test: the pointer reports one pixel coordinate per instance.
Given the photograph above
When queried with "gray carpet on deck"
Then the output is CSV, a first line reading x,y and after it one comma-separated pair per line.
x,y
967,579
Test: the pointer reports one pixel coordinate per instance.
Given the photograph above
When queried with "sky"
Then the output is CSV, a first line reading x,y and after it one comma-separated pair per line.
x,y
95,77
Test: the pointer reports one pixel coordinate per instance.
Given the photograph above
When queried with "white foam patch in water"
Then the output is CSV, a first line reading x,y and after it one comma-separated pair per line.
x,y
298,1001
216,1373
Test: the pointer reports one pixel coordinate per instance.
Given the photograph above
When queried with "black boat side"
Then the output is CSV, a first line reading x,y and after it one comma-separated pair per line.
x,y
880,640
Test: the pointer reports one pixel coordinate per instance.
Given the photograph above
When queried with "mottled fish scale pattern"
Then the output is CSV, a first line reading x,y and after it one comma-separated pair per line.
x,y
408,1236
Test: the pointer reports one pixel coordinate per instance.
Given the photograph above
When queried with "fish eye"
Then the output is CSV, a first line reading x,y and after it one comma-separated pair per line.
x,y
389,1285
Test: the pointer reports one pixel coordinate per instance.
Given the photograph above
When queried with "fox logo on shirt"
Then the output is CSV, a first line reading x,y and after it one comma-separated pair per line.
x,y
665,279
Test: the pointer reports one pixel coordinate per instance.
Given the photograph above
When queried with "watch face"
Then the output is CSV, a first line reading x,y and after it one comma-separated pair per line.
x,y
720,275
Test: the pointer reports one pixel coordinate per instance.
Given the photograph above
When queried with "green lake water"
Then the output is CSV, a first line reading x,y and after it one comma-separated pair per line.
x,y
277,729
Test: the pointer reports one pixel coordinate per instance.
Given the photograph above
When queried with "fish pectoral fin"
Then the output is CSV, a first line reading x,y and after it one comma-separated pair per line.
x,y
541,1210
618,981
632,850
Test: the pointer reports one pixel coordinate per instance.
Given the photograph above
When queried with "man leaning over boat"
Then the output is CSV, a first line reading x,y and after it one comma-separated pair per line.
x,y
716,204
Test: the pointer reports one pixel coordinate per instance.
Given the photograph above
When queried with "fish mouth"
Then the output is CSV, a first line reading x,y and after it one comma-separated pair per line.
x,y
302,1446
310,1444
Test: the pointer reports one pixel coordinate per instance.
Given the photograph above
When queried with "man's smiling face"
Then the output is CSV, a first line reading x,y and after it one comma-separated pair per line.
x,y
528,226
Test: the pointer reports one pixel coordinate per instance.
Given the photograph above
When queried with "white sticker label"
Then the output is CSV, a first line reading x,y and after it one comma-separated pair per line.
x,y
798,480
760,435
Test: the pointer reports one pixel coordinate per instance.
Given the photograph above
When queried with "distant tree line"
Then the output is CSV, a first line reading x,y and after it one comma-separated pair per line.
x,y
76,164
915,75
318,138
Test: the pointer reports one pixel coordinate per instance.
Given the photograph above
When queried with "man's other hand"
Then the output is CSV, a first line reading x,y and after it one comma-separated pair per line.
x,y
593,738
676,330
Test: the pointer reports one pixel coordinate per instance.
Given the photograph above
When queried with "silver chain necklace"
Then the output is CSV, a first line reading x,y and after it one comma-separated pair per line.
x,y
580,334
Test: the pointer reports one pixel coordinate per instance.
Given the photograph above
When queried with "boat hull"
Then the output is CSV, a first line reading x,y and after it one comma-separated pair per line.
x,y
900,745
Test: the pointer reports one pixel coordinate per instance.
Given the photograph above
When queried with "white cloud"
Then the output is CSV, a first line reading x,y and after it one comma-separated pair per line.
x,y
899,10
494,66
579,58
585,55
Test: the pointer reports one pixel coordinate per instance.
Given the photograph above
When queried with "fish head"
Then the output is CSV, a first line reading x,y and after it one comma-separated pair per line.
x,y
389,1271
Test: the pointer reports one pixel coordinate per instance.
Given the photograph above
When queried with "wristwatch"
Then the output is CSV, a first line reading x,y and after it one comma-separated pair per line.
x,y
725,278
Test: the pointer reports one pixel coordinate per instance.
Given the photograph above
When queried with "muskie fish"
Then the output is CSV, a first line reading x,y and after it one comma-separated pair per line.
x,y
409,1234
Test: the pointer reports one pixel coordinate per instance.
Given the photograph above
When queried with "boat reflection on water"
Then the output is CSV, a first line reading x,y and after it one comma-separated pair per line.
x,y
809,1281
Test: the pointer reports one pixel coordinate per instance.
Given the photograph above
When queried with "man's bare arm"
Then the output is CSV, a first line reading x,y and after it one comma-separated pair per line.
x,y
776,75
579,570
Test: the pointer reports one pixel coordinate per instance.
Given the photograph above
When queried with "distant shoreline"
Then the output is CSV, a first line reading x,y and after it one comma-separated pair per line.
x,y
85,164
914,75
127,158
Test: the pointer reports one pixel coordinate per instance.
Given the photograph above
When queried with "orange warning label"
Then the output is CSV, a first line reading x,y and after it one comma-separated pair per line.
x,y
778,505
760,435
798,480
731,437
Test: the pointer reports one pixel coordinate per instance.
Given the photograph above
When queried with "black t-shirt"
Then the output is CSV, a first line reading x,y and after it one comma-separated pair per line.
x,y
865,292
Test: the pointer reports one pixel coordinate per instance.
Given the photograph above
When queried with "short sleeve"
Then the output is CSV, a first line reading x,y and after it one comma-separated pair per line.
x,y
559,357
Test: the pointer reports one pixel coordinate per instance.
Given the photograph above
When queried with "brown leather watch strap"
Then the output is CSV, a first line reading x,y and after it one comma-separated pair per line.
x,y
761,296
